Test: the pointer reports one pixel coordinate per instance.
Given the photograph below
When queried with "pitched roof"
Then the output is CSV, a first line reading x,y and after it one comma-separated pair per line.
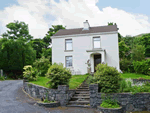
x,y
91,30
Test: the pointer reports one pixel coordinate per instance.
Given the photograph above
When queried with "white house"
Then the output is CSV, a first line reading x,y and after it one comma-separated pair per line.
x,y
74,47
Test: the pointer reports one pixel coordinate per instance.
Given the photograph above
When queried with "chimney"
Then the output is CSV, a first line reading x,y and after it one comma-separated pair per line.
x,y
86,25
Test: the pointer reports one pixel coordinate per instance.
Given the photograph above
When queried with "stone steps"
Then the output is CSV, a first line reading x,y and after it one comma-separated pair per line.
x,y
75,105
81,98
82,89
82,92
81,95
79,102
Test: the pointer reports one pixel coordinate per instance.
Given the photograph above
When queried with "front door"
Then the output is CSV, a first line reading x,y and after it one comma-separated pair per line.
x,y
97,60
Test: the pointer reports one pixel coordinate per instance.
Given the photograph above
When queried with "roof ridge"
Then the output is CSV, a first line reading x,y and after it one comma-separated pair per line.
x,y
90,27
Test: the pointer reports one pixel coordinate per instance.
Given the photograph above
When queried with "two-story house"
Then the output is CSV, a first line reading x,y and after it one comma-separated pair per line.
x,y
74,47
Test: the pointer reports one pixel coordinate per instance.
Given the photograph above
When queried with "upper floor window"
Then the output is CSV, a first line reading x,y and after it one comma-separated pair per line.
x,y
68,44
96,41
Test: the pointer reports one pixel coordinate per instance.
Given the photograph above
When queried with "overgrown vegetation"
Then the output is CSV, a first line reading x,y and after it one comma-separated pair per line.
x,y
42,66
128,86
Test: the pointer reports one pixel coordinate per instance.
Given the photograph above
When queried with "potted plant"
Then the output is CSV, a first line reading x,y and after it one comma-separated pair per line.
x,y
48,103
109,105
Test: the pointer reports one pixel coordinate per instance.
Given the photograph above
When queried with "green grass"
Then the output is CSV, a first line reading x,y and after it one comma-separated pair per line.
x,y
41,81
75,81
134,76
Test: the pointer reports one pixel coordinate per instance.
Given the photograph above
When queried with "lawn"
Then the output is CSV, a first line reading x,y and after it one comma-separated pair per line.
x,y
134,76
75,81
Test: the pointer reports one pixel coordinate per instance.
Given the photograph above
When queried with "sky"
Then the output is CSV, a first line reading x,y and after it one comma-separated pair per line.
x,y
131,16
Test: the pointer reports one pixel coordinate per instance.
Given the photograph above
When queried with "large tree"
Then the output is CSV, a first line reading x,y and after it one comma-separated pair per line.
x,y
145,41
14,55
138,53
51,32
38,45
15,49
17,30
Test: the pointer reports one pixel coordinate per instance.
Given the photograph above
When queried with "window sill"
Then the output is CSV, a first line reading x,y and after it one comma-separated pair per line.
x,y
68,50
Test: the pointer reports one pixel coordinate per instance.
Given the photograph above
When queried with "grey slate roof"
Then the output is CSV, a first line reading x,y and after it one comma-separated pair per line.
x,y
91,30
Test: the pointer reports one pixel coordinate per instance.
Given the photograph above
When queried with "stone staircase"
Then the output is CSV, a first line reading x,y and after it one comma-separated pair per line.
x,y
81,98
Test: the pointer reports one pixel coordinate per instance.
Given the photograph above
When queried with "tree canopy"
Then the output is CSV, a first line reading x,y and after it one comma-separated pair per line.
x,y
17,30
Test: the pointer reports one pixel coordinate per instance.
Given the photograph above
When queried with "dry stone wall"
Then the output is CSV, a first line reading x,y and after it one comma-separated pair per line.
x,y
129,102
62,94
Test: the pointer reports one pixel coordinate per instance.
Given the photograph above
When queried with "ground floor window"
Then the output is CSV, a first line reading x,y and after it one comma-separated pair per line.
x,y
68,61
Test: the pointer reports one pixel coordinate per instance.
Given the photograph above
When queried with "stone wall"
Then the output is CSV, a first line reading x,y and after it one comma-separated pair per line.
x,y
141,81
62,94
129,102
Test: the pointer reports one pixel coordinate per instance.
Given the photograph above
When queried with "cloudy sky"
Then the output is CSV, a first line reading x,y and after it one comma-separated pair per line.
x,y
131,16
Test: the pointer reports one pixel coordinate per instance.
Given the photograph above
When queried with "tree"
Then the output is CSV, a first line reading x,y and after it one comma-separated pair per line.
x,y
145,40
138,53
14,55
51,32
38,45
123,50
47,53
119,35
17,30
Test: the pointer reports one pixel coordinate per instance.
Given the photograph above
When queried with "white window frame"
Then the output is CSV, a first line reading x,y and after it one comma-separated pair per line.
x,y
66,61
99,42
66,45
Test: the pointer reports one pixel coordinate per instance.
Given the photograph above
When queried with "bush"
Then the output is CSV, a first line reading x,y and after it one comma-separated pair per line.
x,y
58,75
30,73
128,86
91,80
142,67
107,78
126,65
2,78
42,66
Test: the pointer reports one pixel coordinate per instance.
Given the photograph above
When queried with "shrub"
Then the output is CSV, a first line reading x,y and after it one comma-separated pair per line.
x,y
30,73
128,86
42,66
142,67
91,80
126,65
109,103
107,78
2,78
58,75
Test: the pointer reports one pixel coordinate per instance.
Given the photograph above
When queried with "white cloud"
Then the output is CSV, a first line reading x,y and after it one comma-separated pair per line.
x,y
71,14
32,13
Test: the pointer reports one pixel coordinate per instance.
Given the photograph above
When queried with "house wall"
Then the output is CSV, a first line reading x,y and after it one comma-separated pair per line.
x,y
109,42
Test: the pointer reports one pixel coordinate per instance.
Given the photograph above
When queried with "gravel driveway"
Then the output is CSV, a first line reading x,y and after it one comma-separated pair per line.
x,y
14,100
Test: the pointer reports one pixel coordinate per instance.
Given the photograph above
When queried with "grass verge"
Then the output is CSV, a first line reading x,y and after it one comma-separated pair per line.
x,y
75,81
134,76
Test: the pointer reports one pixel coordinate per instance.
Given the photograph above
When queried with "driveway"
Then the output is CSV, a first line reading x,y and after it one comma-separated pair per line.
x,y
14,100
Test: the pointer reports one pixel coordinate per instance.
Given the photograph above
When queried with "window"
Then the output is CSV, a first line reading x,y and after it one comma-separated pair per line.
x,y
96,41
68,43
68,61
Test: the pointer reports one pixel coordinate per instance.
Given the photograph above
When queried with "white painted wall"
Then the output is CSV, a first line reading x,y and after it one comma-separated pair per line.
x,y
109,42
